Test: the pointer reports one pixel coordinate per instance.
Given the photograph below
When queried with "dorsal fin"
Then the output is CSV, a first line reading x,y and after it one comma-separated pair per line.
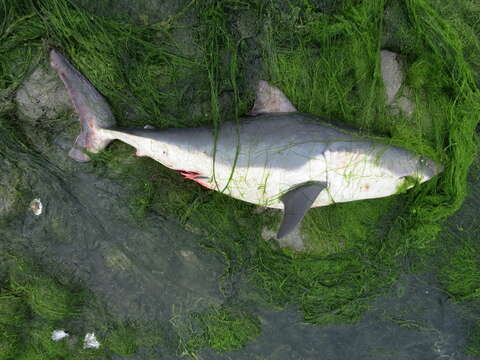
x,y
270,99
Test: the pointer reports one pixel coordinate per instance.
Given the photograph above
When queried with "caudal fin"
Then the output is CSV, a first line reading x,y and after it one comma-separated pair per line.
x,y
92,108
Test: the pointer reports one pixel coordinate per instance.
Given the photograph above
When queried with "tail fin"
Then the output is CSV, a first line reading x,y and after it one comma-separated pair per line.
x,y
93,110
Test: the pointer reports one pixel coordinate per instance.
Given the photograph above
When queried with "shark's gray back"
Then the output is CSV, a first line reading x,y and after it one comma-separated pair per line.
x,y
278,140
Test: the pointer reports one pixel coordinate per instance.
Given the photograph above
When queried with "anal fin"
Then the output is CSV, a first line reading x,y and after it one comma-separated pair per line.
x,y
296,204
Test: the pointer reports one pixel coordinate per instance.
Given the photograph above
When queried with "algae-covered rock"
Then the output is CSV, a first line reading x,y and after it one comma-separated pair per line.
x,y
328,6
41,96
395,35
46,115
9,182
295,240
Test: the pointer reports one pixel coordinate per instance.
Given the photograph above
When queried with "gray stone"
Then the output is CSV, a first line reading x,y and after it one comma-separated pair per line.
x,y
46,115
42,95
393,78
294,240
392,74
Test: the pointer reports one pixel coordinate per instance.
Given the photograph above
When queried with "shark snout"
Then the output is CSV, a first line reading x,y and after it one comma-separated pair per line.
x,y
429,168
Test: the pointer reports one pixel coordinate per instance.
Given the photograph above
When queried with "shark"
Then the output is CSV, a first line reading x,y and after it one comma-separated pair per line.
x,y
275,157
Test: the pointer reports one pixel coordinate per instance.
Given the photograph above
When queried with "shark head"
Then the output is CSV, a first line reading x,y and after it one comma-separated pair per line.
x,y
427,168
410,168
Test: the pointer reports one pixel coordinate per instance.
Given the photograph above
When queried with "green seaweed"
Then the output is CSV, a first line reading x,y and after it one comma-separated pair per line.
x,y
123,341
48,300
461,274
473,346
32,306
218,328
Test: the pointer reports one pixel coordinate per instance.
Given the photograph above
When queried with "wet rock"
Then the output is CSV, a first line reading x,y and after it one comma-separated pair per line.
x,y
117,260
41,96
393,77
395,34
46,115
392,74
185,42
246,24
409,326
142,269
294,240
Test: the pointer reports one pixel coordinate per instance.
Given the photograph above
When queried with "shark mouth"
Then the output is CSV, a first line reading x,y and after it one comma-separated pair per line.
x,y
195,176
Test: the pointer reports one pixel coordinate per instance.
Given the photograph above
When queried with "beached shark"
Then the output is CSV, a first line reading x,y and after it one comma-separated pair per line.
x,y
276,157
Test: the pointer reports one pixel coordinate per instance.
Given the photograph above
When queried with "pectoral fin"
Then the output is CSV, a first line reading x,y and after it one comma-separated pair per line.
x,y
296,204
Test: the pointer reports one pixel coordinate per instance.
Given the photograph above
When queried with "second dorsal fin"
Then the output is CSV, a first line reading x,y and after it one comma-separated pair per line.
x,y
270,99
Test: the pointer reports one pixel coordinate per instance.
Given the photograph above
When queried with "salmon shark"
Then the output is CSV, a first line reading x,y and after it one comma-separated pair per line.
x,y
277,157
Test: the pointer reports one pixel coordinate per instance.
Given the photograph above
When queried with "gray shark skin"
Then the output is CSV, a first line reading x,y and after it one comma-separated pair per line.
x,y
277,157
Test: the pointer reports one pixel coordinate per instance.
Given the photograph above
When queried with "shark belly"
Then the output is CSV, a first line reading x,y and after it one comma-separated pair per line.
x,y
264,186
261,160
355,171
